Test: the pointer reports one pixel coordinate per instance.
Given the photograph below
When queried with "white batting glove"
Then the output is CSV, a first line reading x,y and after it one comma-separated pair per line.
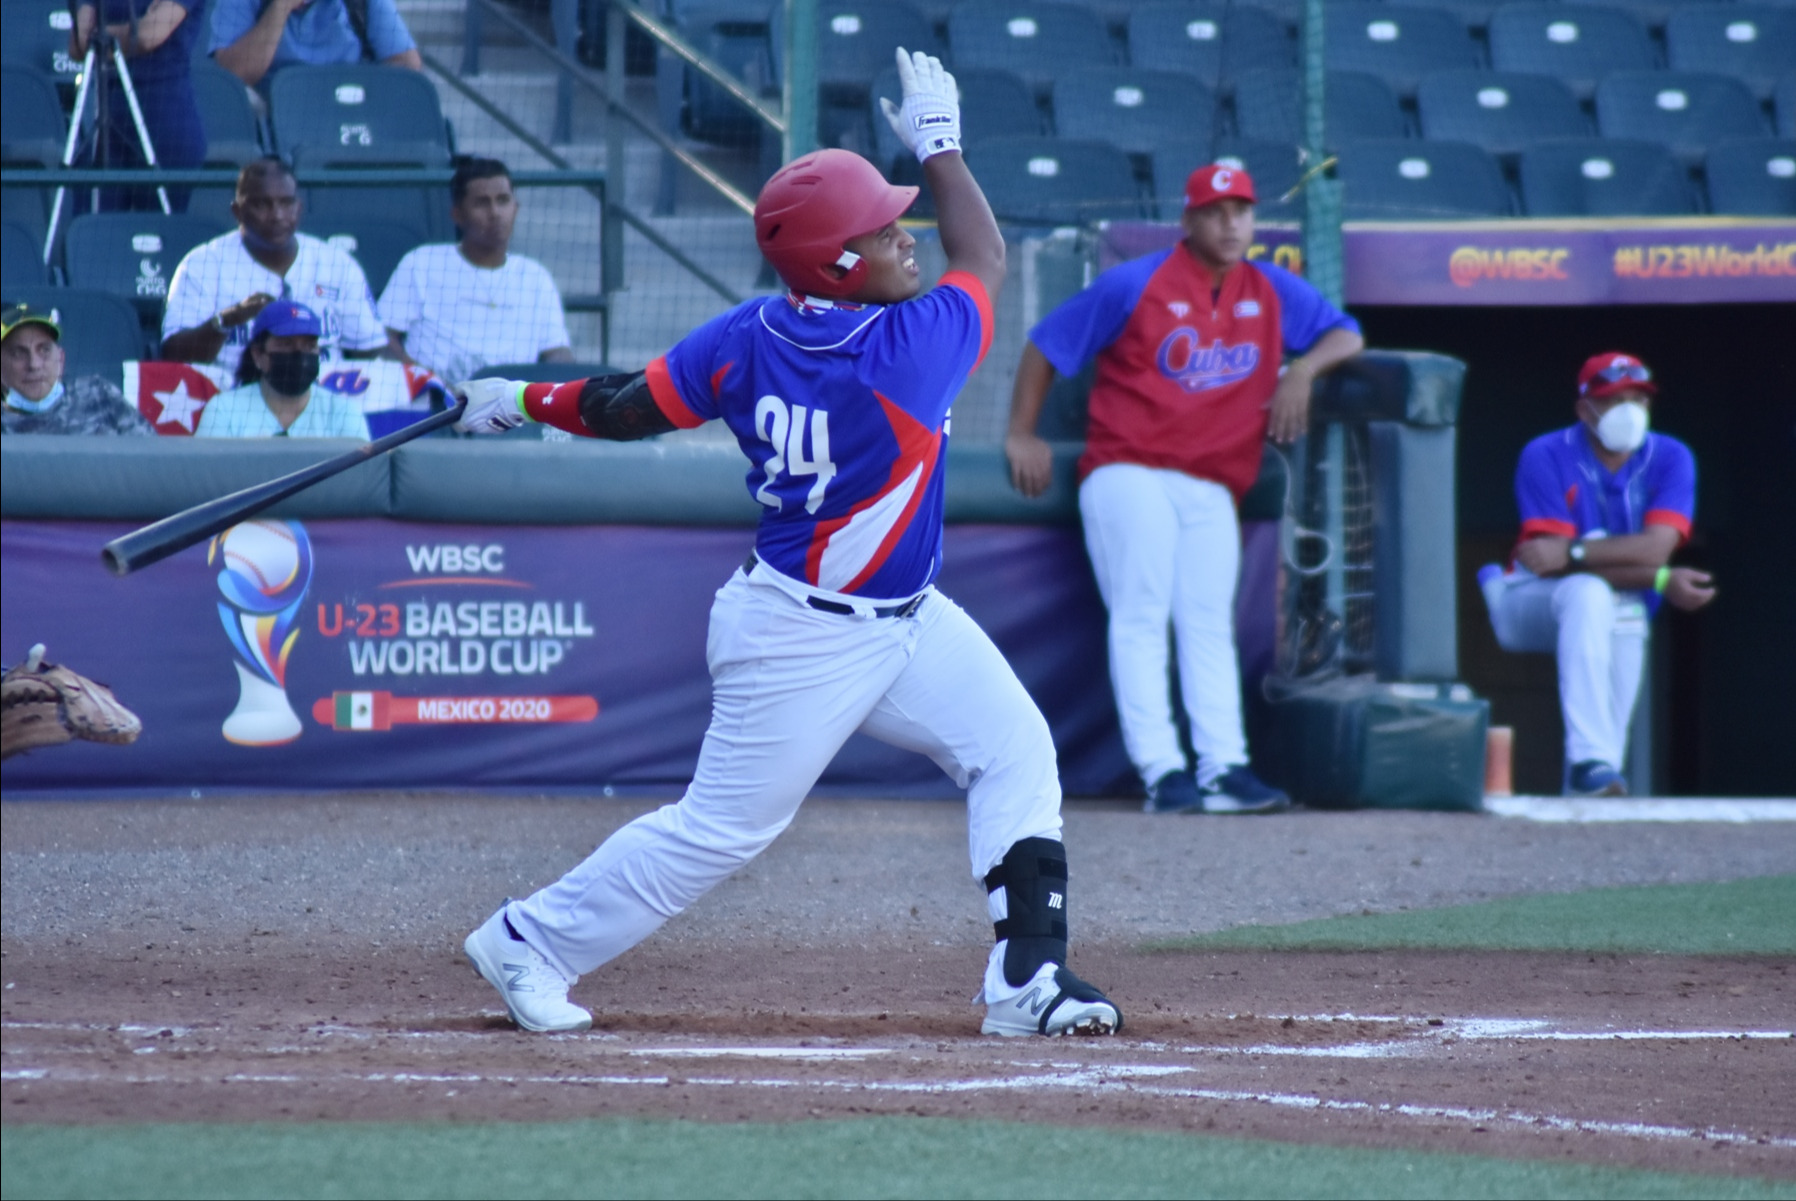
x,y
928,123
494,406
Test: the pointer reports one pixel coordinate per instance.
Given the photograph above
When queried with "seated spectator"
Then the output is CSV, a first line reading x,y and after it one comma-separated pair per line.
x,y
1604,504
221,285
37,401
459,308
254,38
276,396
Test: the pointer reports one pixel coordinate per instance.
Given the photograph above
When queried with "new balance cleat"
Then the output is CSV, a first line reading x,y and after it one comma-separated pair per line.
x,y
535,993
1238,790
1174,792
1593,777
1054,1002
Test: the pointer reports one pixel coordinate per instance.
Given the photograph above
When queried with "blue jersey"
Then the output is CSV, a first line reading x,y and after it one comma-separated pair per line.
x,y
1563,489
842,410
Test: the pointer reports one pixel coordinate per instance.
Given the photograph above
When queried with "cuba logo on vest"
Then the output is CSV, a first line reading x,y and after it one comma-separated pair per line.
x,y
1184,359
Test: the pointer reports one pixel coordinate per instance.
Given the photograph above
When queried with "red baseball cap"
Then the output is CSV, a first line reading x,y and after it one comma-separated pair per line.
x,y
1612,371
1214,182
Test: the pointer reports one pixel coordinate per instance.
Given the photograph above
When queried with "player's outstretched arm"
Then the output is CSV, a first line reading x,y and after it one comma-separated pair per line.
x,y
1031,458
619,408
928,123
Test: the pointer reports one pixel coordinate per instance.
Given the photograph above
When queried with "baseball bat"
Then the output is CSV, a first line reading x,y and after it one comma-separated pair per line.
x,y
177,532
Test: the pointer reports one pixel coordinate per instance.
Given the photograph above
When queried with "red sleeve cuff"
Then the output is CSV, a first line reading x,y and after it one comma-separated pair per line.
x,y
1672,518
1535,527
973,286
667,396
557,405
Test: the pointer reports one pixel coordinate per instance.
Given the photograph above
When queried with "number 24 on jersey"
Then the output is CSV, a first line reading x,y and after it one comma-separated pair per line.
x,y
784,427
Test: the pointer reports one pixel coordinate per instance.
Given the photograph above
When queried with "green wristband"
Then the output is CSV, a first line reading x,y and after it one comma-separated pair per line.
x,y
526,412
1661,579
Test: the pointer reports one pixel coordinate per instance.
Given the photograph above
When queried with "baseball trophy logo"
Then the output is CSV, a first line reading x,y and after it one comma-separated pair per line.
x,y
267,569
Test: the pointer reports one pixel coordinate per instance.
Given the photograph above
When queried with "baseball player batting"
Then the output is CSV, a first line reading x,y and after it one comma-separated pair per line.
x,y
839,392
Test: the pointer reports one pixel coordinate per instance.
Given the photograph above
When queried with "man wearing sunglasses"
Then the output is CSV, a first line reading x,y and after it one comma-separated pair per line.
x,y
1604,504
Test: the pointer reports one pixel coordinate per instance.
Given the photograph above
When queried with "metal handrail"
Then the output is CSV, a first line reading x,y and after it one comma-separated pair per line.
x,y
723,79
329,177
579,74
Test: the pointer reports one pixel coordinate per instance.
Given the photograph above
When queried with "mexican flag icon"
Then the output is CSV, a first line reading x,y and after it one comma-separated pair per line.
x,y
362,711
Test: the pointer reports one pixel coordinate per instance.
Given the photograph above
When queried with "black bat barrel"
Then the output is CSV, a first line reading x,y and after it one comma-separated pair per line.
x,y
177,532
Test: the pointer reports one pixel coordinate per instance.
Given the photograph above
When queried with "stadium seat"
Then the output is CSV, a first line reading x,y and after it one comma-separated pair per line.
x,y
1750,42
1397,43
1498,110
1276,169
1474,14
1752,177
855,40
993,104
377,245
735,34
1130,108
1784,101
1267,107
1050,181
1213,42
1651,13
1683,110
1598,177
233,132
35,33
1172,164
133,255
33,127
1576,43
1037,39
357,114
425,211
1398,179
1289,12
21,258
100,330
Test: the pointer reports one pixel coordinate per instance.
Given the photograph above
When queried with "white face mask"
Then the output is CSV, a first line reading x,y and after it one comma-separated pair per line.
x,y
1623,428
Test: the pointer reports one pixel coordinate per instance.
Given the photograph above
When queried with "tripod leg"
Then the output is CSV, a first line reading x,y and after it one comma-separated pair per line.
x,y
143,131
68,147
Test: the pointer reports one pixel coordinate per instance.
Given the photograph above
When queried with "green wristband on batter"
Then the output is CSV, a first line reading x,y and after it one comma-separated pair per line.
x,y
522,386
1661,579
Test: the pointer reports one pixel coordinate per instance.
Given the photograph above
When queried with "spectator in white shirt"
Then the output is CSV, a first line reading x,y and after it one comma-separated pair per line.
x,y
221,285
456,309
277,397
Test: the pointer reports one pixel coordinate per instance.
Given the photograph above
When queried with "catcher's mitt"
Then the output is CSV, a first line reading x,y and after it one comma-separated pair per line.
x,y
42,704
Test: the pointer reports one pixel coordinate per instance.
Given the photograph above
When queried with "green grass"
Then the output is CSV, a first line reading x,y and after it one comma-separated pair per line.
x,y
1743,917
874,1157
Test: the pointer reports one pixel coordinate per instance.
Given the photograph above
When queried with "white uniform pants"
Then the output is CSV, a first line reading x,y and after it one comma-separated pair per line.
x,y
1600,641
790,685
1166,546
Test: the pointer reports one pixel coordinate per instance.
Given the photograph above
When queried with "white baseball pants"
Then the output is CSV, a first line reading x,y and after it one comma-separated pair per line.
x,y
1166,546
1600,641
790,685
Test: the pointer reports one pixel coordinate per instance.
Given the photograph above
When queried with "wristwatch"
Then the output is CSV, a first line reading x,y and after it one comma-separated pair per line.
x,y
1575,552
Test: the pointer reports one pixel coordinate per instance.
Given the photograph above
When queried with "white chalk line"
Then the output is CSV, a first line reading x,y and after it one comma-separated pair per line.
x,y
1585,810
1105,1080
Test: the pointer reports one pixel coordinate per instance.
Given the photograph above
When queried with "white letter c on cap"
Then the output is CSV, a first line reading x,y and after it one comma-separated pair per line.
x,y
1221,180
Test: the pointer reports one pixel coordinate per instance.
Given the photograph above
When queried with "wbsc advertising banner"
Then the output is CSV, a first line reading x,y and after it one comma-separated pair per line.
x,y
1705,261
381,654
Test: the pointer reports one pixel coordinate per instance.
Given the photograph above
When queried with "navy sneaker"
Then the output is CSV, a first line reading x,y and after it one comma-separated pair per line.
x,y
1174,792
1593,777
1238,790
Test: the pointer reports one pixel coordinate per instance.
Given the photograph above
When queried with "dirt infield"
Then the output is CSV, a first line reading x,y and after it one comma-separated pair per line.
x,y
258,959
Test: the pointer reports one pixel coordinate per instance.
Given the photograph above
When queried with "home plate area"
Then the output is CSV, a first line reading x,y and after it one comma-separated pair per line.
x,y
1511,1085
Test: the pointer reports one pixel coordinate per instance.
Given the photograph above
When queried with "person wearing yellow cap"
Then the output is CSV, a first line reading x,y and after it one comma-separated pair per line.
x,y
37,401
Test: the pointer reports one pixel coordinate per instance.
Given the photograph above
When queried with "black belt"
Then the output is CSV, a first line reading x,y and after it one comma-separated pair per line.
x,y
829,606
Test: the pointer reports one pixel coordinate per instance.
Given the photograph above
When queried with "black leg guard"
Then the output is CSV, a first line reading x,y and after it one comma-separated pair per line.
x,y
1033,877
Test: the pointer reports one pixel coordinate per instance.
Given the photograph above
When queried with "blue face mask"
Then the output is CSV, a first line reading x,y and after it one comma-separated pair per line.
x,y
17,401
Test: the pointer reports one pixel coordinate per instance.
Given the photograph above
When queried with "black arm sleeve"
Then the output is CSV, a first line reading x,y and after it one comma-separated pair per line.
x,y
621,408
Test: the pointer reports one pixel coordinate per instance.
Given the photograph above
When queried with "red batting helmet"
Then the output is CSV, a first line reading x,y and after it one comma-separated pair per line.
x,y
812,206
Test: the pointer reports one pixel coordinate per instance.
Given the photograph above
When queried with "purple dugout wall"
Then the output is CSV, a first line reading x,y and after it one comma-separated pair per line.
x,y
372,653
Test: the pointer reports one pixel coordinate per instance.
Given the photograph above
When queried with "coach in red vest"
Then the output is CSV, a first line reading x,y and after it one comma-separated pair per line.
x,y
1189,343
